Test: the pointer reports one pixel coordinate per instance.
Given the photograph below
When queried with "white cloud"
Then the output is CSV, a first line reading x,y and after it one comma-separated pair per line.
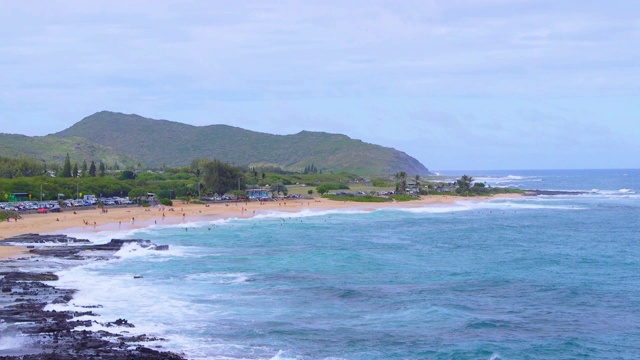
x,y
262,63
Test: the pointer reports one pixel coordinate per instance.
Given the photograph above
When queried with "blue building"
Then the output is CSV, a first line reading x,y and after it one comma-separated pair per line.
x,y
257,193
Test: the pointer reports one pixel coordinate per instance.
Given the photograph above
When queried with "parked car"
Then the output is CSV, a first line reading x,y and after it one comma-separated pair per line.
x,y
42,210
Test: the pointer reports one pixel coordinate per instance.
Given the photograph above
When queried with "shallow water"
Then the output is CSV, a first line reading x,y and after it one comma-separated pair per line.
x,y
538,278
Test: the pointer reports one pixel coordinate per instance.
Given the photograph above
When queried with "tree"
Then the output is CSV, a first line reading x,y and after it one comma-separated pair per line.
x,y
102,169
137,193
127,175
279,188
92,169
401,183
418,183
238,193
311,169
74,171
85,168
66,169
310,191
22,166
221,177
464,184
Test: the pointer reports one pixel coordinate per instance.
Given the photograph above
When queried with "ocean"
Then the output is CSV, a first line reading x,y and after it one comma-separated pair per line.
x,y
546,277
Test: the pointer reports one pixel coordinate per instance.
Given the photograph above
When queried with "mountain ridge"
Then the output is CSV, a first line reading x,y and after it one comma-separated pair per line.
x,y
159,142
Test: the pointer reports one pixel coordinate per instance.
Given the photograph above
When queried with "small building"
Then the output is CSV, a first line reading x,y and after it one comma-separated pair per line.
x,y
256,193
14,197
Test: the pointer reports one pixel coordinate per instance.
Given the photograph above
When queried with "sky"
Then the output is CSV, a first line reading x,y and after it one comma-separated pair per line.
x,y
457,84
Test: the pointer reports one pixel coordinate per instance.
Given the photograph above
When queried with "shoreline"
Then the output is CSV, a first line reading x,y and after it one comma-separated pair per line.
x,y
65,337
137,217
34,332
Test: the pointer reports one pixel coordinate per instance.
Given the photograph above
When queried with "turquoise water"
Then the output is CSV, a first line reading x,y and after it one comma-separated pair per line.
x,y
529,278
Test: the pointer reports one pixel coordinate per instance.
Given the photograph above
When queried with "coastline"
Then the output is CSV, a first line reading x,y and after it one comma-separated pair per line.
x,y
139,217
124,219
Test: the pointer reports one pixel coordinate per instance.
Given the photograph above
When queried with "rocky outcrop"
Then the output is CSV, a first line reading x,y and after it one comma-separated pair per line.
x,y
73,247
59,334
45,239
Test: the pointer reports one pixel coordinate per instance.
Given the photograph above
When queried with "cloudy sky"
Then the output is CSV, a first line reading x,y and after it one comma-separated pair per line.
x,y
458,84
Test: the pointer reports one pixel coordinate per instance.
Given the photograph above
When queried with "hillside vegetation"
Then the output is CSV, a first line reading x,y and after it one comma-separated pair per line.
x,y
157,143
53,149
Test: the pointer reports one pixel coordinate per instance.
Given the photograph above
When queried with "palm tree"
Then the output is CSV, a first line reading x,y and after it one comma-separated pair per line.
x,y
401,184
417,186
464,184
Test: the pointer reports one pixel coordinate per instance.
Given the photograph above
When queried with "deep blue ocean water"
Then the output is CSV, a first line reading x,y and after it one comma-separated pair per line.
x,y
548,277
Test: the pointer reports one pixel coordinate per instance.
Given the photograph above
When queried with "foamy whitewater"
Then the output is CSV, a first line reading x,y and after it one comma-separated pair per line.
x,y
543,277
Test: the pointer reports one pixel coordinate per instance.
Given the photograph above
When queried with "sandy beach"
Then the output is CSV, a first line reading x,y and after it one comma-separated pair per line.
x,y
139,217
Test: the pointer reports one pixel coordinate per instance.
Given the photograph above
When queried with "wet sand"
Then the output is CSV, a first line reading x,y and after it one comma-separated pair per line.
x,y
139,217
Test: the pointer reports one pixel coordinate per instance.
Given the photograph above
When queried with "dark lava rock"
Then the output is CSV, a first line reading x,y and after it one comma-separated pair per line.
x,y
54,335
120,322
73,252
23,276
44,239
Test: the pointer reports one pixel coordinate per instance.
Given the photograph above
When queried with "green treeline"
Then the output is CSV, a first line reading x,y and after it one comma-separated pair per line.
x,y
21,167
25,166
204,177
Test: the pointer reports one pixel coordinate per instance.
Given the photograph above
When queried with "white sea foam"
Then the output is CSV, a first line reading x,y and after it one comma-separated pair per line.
x,y
149,307
281,356
508,180
305,213
134,250
485,205
10,341
220,278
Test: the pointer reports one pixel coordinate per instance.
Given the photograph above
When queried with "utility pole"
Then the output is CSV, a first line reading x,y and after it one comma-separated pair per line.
x,y
41,190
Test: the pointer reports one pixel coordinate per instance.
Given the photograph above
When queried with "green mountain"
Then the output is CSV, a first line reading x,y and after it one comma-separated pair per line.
x,y
161,142
54,149
132,139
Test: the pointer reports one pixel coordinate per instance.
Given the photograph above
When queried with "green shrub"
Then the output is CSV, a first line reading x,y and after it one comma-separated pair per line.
x,y
403,197
4,215
166,202
356,198
326,187
381,183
